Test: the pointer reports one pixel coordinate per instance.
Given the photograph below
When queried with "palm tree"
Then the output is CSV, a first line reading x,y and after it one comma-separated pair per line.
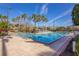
x,y
37,18
43,18
25,17
18,21
14,19
5,18
34,18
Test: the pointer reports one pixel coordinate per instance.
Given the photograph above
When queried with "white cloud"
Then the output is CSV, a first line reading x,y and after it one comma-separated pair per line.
x,y
44,8
58,17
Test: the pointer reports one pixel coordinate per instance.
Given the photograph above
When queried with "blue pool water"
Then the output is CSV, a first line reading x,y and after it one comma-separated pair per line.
x,y
43,38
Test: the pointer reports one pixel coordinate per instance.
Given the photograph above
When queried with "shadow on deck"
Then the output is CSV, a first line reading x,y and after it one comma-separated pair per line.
x,y
68,51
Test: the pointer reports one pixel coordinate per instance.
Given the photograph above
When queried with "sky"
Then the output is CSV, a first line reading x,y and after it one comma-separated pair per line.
x,y
58,14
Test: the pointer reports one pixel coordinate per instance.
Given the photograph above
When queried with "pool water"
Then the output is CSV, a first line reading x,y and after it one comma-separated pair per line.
x,y
43,38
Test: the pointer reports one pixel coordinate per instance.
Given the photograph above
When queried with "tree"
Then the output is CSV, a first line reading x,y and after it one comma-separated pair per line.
x,y
14,19
43,18
3,27
37,18
75,14
5,18
18,21
34,18
24,16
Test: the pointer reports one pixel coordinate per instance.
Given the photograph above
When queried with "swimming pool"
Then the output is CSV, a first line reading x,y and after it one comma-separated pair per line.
x,y
43,38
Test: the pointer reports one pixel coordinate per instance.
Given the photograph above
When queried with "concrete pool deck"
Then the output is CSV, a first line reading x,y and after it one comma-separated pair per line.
x,y
17,46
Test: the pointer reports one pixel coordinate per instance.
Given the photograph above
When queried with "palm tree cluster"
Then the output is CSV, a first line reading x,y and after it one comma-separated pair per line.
x,y
24,17
37,18
19,18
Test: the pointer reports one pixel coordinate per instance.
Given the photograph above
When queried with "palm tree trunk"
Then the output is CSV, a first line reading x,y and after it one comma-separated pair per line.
x,y
19,25
35,24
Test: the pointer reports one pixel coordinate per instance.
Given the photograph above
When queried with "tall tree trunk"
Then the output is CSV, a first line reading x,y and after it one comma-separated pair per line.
x,y
35,27
35,24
